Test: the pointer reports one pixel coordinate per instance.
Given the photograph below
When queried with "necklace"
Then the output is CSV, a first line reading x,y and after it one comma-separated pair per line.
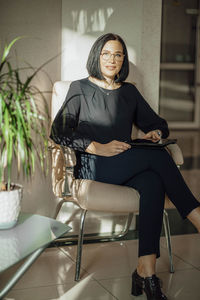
x,y
105,92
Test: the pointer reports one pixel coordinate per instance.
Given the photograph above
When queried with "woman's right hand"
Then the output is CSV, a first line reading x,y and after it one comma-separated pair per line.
x,y
110,149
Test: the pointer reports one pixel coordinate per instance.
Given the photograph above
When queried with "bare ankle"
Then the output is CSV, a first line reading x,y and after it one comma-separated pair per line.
x,y
145,272
146,265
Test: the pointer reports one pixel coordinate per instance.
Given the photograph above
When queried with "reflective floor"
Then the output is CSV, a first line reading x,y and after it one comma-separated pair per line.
x,y
107,267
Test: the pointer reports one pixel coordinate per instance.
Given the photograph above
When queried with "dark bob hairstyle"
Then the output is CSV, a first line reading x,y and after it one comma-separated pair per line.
x,y
93,63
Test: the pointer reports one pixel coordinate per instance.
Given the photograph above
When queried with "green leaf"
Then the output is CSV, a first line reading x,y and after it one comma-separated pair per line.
x,y
1,110
23,120
9,158
7,48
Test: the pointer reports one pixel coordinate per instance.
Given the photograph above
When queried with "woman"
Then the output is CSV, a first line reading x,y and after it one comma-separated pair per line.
x,y
96,120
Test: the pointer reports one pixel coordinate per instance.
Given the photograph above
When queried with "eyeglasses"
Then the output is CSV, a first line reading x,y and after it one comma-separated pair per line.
x,y
117,56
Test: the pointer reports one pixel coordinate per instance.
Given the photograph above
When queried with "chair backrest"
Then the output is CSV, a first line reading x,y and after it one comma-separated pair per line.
x,y
60,90
64,161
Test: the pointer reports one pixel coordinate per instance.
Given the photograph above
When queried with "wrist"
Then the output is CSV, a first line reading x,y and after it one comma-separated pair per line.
x,y
93,148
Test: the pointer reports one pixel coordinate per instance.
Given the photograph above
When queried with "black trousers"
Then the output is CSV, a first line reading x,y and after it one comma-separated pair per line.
x,y
153,173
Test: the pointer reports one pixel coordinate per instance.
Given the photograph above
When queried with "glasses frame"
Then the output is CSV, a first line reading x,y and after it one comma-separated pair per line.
x,y
112,54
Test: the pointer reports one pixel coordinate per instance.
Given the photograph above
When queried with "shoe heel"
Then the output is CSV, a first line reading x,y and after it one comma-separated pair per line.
x,y
136,289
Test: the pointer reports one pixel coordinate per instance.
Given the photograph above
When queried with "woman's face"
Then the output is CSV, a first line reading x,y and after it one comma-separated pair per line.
x,y
111,59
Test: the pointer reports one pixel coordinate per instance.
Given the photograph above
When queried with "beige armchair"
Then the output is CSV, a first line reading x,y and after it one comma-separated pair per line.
x,y
92,195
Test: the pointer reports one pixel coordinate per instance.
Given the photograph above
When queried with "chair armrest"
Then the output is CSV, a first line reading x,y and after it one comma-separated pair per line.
x,y
173,149
62,169
176,154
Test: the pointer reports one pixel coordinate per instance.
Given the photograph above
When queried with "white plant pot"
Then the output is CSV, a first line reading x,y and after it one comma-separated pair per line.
x,y
10,205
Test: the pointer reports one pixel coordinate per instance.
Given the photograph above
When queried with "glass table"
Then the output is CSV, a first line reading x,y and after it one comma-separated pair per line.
x,y
29,238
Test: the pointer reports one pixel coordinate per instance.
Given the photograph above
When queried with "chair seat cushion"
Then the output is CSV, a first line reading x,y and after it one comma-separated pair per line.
x,y
99,196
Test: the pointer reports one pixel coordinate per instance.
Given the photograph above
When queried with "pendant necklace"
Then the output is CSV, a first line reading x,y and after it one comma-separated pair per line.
x,y
106,93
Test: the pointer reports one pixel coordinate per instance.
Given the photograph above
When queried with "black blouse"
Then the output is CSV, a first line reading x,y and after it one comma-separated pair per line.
x,y
90,113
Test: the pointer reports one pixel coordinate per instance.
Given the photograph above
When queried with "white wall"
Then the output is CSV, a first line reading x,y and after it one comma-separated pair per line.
x,y
137,21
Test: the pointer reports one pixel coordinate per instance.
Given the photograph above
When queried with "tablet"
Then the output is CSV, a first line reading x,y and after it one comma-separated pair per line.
x,y
148,143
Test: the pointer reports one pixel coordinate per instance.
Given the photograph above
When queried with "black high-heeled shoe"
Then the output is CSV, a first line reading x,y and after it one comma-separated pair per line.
x,y
150,285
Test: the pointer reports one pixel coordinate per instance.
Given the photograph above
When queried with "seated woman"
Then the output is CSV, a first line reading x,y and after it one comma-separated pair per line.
x,y
96,120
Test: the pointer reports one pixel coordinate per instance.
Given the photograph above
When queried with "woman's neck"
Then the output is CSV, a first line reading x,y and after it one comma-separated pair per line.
x,y
108,83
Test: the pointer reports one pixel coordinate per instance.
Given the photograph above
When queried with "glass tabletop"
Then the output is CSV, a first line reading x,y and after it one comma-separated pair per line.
x,y
31,233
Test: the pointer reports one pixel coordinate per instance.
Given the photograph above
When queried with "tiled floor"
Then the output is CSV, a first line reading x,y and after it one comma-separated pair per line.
x,y
107,267
106,272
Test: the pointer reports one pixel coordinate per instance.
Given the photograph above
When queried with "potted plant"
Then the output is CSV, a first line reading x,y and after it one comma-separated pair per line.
x,y
23,133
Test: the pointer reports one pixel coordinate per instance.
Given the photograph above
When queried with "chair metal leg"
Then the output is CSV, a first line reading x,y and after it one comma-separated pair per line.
x,y
126,227
58,208
98,237
168,239
80,244
60,204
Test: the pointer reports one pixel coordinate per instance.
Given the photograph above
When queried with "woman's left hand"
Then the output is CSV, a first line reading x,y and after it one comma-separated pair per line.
x,y
154,135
